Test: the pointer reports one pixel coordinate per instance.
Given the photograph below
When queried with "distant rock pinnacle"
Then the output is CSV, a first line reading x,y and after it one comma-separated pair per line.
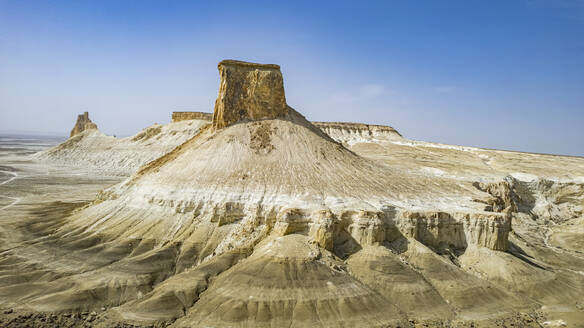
x,y
83,123
248,91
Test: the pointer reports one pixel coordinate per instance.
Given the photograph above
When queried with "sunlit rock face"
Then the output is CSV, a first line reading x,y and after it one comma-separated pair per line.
x,y
83,123
248,91
441,230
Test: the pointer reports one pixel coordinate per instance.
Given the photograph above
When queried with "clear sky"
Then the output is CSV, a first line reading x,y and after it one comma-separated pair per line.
x,y
498,74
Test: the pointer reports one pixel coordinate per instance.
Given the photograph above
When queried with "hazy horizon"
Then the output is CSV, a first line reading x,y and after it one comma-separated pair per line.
x,y
503,75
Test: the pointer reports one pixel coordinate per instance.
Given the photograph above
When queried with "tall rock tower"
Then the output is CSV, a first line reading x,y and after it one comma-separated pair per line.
x,y
83,123
248,91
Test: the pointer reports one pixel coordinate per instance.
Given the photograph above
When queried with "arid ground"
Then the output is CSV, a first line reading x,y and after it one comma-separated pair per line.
x,y
257,217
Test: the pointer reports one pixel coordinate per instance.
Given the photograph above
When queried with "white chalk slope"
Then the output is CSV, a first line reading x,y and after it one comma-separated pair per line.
x,y
123,156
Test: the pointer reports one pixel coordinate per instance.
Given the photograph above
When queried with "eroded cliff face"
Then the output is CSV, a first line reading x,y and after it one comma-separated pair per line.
x,y
248,91
352,133
456,231
83,123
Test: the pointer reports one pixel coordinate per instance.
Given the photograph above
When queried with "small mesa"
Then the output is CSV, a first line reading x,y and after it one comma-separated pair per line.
x,y
189,116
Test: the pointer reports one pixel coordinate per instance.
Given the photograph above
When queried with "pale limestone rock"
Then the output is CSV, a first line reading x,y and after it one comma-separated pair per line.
x,y
271,223
354,133
322,229
94,150
289,221
501,199
441,230
366,227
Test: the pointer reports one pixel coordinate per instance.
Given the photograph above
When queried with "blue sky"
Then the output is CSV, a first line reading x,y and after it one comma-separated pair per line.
x,y
497,74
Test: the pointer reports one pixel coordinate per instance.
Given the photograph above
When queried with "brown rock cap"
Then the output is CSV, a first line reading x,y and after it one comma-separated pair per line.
x,y
248,91
185,116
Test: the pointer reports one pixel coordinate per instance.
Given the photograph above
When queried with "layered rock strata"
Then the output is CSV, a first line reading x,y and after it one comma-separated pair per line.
x,y
264,168
351,133
266,221
277,174
343,132
456,231
502,196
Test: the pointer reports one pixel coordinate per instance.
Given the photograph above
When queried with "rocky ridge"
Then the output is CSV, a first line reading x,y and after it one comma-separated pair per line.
x,y
188,116
120,156
351,133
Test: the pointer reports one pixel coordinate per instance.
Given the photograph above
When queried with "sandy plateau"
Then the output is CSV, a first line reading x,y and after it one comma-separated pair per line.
x,y
256,217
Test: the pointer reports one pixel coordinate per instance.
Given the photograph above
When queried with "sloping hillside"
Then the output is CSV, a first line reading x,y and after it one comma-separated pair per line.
x,y
263,220
123,156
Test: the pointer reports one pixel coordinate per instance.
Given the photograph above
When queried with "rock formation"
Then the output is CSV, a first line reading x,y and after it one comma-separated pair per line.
x,y
352,133
248,91
123,156
267,221
119,156
186,116
83,123
343,132
445,231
